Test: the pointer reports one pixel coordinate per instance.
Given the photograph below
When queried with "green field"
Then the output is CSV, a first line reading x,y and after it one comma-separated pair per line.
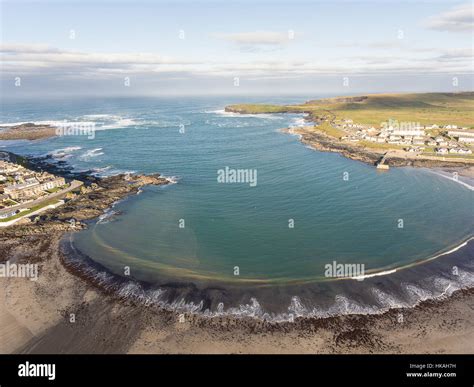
x,y
56,189
330,130
9,202
373,109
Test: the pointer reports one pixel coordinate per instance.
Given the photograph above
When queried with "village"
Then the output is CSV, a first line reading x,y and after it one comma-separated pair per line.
x,y
411,137
26,192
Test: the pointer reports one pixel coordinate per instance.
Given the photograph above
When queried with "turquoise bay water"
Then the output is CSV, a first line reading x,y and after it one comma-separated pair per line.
x,y
234,225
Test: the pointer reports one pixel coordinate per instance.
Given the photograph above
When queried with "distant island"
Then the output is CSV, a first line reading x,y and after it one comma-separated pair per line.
x,y
27,131
423,129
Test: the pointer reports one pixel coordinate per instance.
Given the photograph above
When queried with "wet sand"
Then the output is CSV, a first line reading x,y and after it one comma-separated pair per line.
x,y
63,312
36,318
435,277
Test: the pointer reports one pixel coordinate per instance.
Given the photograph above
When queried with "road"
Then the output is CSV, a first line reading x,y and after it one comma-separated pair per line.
x,y
56,195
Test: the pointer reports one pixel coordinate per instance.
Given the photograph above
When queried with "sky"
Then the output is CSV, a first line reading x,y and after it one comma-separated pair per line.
x,y
258,47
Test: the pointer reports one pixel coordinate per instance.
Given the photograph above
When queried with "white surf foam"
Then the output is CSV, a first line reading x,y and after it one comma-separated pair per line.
x,y
98,172
115,172
292,131
119,123
106,216
391,271
98,121
299,122
172,179
100,116
454,180
109,121
167,123
223,113
436,288
90,154
364,276
51,123
64,151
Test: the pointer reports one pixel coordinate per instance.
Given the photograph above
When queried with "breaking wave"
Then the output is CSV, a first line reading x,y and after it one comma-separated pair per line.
x,y
63,152
339,298
299,123
100,171
172,179
100,121
223,113
454,180
107,216
91,153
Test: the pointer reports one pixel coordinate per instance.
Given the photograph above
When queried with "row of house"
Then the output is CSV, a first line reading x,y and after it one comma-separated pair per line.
x,y
7,168
32,188
459,151
415,149
21,184
412,134
465,136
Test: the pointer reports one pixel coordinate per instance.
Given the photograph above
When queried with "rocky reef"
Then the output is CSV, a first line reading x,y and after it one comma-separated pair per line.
x,y
27,131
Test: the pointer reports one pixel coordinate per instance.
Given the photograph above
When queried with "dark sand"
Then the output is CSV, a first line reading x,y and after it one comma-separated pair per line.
x,y
35,316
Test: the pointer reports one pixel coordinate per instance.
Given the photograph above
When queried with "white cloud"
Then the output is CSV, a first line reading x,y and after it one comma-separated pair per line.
x,y
458,19
27,48
270,38
46,54
457,54
44,61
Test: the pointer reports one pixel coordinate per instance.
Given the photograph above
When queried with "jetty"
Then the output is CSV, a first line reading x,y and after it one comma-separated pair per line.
x,y
381,163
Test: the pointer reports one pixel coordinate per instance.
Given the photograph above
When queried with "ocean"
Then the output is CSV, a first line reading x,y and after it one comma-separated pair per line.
x,y
230,243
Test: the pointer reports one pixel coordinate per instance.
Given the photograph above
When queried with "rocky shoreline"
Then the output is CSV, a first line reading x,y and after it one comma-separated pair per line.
x,y
324,143
35,317
39,316
95,196
320,141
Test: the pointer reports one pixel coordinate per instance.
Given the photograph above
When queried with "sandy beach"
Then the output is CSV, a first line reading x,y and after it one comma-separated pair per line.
x,y
61,312
36,318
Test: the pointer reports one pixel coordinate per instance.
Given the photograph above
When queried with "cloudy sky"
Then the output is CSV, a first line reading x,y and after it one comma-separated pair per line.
x,y
120,47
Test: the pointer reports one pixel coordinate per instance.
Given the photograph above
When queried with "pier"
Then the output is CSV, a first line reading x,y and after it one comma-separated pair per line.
x,y
381,163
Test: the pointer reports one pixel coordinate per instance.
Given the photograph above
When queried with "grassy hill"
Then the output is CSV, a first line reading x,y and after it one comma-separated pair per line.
x,y
372,109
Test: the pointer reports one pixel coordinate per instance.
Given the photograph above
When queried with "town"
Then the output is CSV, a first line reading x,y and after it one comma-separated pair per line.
x,y
411,137
24,192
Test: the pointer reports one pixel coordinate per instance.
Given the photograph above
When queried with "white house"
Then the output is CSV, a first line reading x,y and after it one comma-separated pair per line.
x,y
469,140
408,132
